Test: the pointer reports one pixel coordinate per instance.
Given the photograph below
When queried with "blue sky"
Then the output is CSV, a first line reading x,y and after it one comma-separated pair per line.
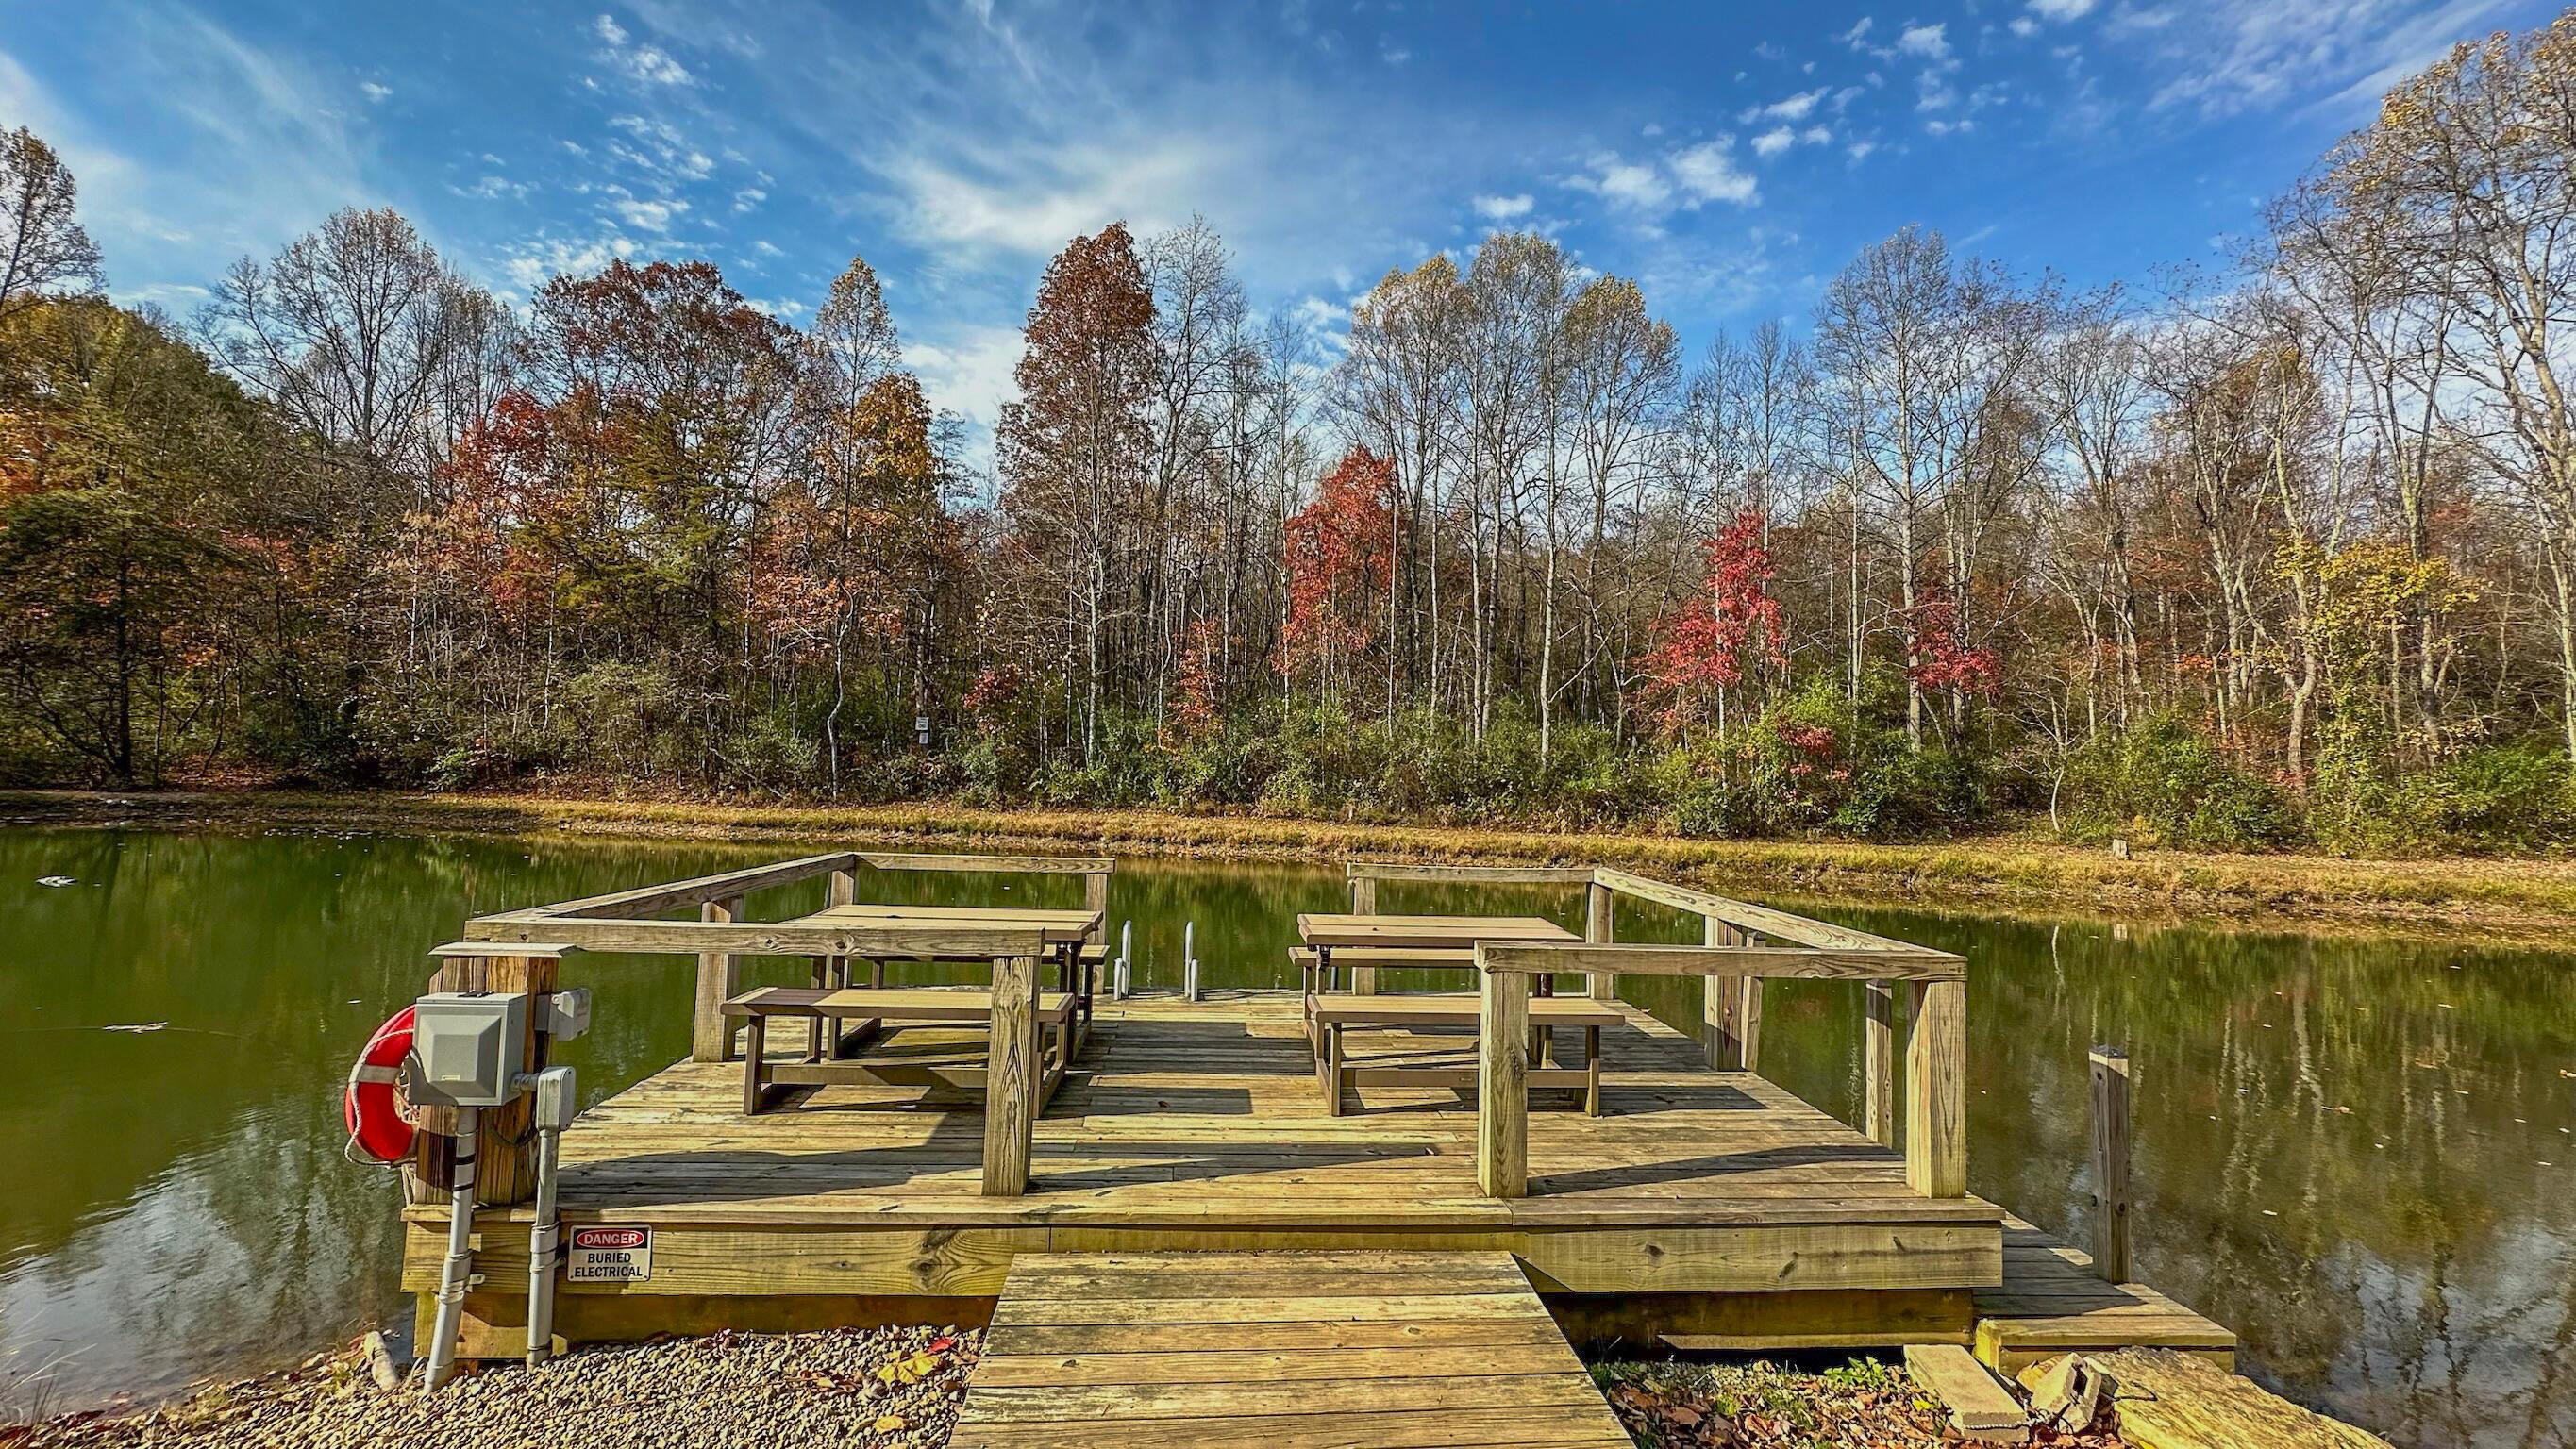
x,y
1729,157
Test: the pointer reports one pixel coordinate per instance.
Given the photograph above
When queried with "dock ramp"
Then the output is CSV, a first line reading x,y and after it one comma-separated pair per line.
x,y
1297,1350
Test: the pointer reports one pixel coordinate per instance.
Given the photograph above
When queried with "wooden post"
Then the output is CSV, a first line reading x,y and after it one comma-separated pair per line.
x,y
719,978
843,890
1878,1062
1748,1016
1010,1077
1502,1085
1936,1090
1364,903
1095,895
1600,925
2111,1163
505,1142
1721,1004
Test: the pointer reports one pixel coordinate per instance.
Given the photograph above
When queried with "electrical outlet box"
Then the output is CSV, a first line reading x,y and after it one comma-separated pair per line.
x,y
468,1047
558,1100
567,1012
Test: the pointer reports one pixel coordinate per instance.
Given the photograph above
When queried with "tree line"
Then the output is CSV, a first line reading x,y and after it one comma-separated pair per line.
x,y
2277,552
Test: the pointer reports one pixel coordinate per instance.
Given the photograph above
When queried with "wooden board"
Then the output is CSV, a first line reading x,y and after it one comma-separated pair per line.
x,y
1326,928
2171,1400
2050,1303
1297,1350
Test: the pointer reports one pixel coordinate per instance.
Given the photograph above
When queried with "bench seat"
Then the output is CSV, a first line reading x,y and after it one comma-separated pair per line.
x,y
869,1011
1336,1071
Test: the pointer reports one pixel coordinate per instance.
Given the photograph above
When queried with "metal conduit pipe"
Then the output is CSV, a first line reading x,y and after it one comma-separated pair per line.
x,y
556,1102
458,1274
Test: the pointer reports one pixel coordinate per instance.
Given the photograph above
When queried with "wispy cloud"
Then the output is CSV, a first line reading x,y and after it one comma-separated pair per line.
x,y
1504,208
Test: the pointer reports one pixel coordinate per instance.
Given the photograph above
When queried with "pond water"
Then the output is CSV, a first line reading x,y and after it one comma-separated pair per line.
x,y
2356,1151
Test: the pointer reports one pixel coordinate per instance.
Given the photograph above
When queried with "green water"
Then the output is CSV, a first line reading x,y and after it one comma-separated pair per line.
x,y
2355,1151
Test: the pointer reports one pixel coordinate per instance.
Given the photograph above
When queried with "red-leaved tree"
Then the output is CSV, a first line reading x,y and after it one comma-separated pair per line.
x,y
1339,552
1702,649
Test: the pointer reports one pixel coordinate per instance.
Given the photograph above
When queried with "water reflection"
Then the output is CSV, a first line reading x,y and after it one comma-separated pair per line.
x,y
2356,1151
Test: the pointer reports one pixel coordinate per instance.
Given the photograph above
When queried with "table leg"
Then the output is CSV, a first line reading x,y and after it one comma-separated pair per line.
x,y
755,1031
1592,1071
1333,1070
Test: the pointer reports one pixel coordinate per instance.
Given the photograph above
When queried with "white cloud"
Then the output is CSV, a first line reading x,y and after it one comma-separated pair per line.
x,y
1794,108
376,94
2024,26
1503,208
649,215
649,64
1628,183
1774,141
1927,42
1708,173
2061,9
749,197
530,263
1859,32
1859,151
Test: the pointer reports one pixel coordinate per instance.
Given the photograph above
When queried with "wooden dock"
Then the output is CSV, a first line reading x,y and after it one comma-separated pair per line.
x,y
1296,1350
2052,1302
1199,1126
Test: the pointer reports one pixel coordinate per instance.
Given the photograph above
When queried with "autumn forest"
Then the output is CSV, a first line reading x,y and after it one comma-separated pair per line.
x,y
2275,553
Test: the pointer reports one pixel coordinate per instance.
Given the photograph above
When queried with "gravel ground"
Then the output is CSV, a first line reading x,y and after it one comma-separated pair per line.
x,y
891,1388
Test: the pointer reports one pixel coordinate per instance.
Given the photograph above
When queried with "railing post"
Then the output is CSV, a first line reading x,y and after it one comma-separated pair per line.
x,y
1878,1062
719,978
2111,1163
1600,925
1936,1090
1502,1085
505,1138
1721,1004
844,889
1364,903
1010,1077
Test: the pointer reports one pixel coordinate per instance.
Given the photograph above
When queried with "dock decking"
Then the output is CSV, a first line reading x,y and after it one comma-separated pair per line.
x,y
1299,1350
1199,1126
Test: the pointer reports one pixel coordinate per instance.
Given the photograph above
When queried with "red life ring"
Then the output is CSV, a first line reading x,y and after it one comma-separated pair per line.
x,y
372,1106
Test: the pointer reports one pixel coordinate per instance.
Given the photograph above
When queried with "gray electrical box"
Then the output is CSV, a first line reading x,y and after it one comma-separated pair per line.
x,y
567,1012
468,1047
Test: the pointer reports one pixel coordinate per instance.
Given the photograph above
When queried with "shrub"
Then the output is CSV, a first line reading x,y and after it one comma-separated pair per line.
x,y
2165,783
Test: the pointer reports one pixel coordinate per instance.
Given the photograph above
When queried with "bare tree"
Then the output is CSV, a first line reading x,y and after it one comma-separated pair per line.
x,y
43,249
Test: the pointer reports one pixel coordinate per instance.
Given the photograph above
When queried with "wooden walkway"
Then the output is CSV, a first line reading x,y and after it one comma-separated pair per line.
x,y
1288,1350
2051,1303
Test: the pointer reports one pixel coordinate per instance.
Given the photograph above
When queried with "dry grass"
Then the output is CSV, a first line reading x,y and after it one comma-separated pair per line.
x,y
2511,896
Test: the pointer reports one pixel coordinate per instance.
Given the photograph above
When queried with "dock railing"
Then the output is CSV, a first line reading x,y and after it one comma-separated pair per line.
x,y
724,933
1742,946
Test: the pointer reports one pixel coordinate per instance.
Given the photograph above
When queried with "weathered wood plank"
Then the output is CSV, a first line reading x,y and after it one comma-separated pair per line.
x,y
652,900
1936,1089
1805,963
1979,1407
1010,1093
2186,1401
1502,1087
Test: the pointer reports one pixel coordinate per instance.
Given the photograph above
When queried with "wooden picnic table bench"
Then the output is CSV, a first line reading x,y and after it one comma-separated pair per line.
x,y
1335,1070
876,1009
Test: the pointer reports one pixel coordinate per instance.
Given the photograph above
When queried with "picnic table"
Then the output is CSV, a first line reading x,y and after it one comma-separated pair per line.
x,y
1370,942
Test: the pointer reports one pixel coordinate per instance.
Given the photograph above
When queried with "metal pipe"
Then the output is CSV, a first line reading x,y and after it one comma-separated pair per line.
x,y
1190,961
555,1103
1118,978
458,1274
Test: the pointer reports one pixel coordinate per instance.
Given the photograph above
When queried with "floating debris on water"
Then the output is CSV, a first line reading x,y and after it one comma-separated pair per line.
x,y
56,881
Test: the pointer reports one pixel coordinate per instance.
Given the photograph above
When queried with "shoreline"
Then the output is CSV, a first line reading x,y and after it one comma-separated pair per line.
x,y
2509,897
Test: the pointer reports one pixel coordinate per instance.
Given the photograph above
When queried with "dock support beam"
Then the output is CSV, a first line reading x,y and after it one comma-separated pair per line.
x,y
1363,903
1600,925
1936,1090
1721,1011
2111,1163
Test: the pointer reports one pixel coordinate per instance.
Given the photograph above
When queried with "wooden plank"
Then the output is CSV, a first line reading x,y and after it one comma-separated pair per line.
x,y
1807,963
1454,1350
1328,928
1010,1094
2186,1401
1378,870
999,864
1502,1087
1796,929
652,900
1979,1407
766,938
1936,1089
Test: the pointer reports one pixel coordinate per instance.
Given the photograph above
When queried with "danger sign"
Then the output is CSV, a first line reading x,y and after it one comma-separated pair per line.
x,y
610,1255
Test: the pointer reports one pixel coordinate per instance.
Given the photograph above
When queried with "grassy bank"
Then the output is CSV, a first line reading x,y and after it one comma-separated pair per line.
x,y
2009,872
